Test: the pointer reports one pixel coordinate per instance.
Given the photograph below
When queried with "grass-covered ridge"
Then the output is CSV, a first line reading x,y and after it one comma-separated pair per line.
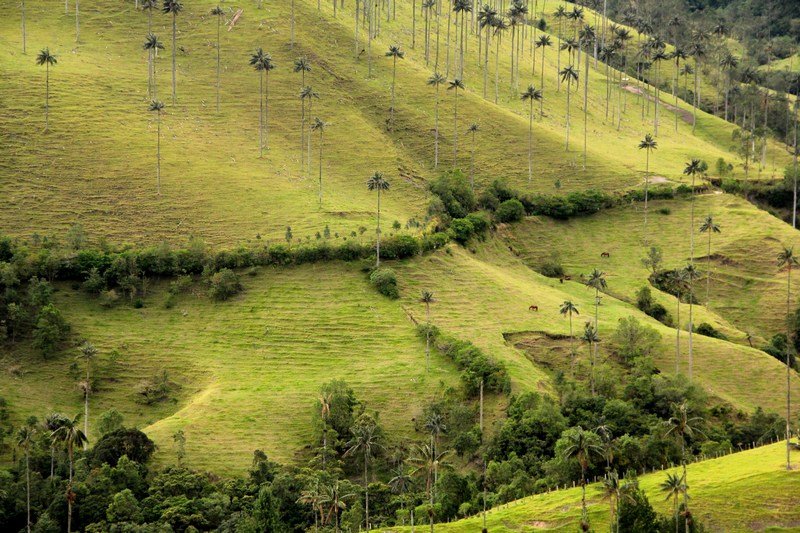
x,y
729,493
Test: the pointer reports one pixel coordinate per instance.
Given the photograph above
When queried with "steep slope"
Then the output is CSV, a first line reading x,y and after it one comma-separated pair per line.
x,y
746,491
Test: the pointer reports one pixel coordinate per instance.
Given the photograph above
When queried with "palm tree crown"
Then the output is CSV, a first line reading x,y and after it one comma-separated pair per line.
x,y
377,183
46,58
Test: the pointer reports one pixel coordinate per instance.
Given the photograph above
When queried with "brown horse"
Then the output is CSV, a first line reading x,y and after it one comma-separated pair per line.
x,y
533,308
605,254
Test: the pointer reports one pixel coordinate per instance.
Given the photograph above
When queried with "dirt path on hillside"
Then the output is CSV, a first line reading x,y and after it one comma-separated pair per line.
x,y
685,115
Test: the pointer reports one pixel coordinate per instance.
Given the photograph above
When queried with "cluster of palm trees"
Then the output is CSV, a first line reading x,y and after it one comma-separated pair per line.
x,y
63,432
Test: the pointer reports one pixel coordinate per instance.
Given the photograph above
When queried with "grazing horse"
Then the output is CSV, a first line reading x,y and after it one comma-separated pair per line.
x,y
605,254
533,308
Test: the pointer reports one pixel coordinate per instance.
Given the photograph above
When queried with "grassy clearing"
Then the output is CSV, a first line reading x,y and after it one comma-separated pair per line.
x,y
501,288
747,491
96,166
748,292
249,369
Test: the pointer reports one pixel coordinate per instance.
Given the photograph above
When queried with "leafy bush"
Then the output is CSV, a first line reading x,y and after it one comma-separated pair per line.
x,y
479,222
552,267
385,280
224,284
473,363
646,304
462,230
51,330
455,194
124,441
632,340
510,211
399,247
710,331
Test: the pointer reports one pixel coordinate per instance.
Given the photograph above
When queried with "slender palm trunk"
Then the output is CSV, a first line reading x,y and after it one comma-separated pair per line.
x,y
586,111
261,114
28,487
472,164
455,129
413,24
86,408
428,337
530,143
678,337
571,345
569,92
321,139
46,96
77,21
584,513
447,40
366,492
794,159
696,99
436,129
691,224
593,346
158,154
685,484
291,25
69,489
394,78
646,192
219,23
355,30
691,327
788,369
497,70
480,409
174,64
378,234
708,274
541,102
24,47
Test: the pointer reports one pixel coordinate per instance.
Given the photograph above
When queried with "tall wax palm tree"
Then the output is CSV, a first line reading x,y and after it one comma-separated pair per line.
x,y
531,95
679,54
402,483
219,13
24,34
568,75
455,85
47,59
302,66
173,7
698,51
436,80
88,353
426,462
25,436
691,275
500,25
325,399
673,486
568,309
486,21
472,130
560,15
788,260
682,426
395,53
591,338
612,491
596,281
728,64
428,7
581,445
681,282
71,436
52,422
366,439
693,168
648,144
543,42
291,25
427,298
587,37
152,45
320,125
462,8
257,62
308,93
312,496
149,6
710,227
158,107
607,55
378,184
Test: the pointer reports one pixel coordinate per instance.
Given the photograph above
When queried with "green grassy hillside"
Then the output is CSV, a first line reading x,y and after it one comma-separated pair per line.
x,y
746,491
96,165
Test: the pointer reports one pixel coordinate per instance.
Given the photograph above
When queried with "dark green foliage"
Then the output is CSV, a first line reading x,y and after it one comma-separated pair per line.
x,y
51,329
385,281
666,280
710,331
777,348
510,211
474,365
552,268
646,304
126,441
454,192
461,230
224,284
632,340
399,247
636,515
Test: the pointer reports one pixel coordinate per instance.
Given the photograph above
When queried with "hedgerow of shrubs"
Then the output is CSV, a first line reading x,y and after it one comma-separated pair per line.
x,y
473,363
